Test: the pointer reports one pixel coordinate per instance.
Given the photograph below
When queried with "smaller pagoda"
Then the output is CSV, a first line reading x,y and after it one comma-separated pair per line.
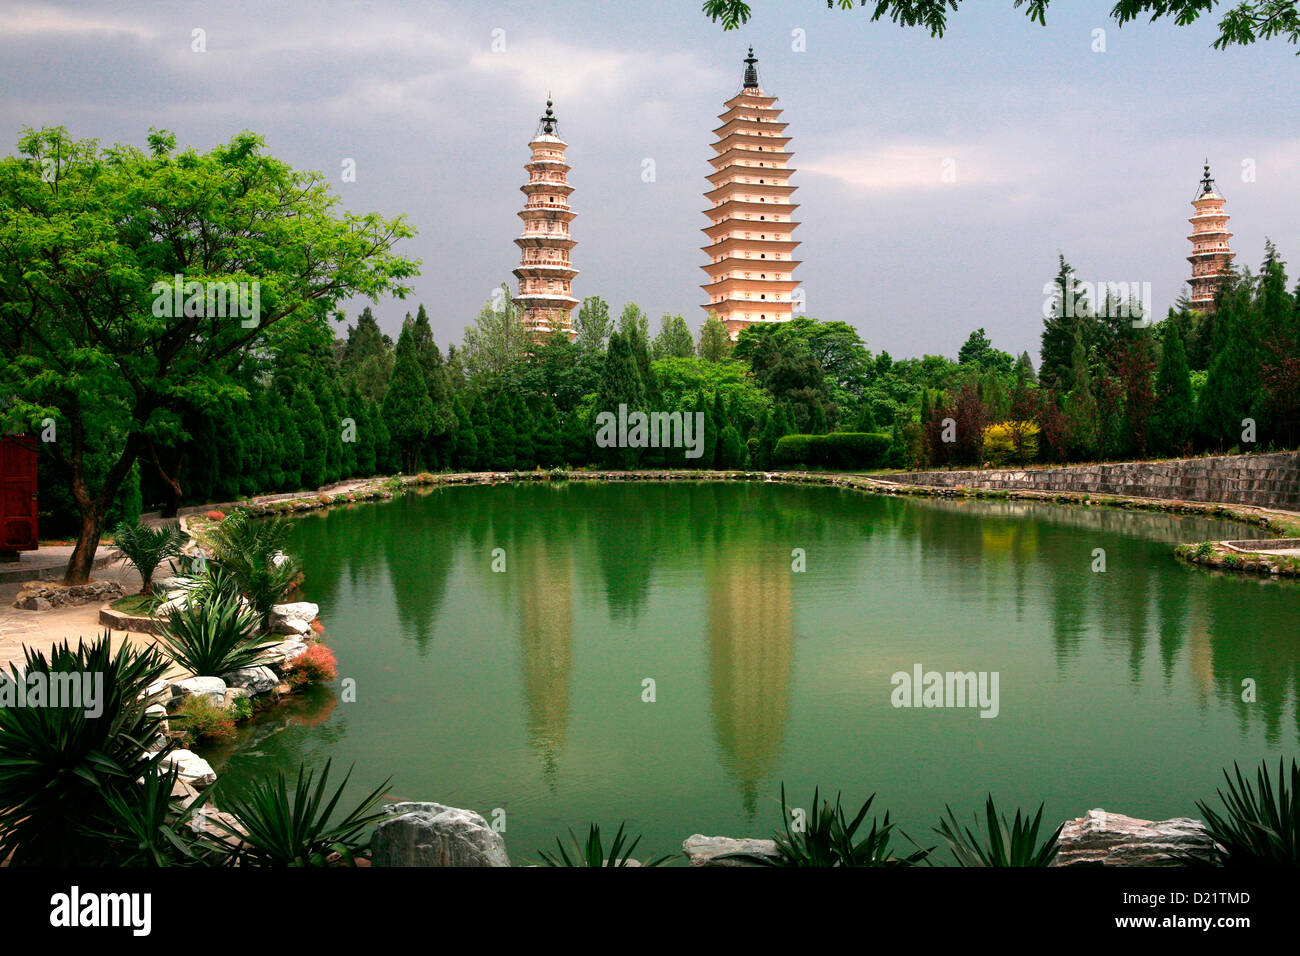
x,y
545,272
1211,260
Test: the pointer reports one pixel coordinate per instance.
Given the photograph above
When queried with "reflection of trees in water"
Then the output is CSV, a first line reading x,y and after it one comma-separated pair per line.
x,y
1254,633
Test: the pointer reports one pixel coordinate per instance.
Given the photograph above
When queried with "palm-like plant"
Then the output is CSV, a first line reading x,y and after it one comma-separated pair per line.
x,y
146,548
252,550
60,767
1006,844
213,632
275,827
1261,825
828,838
592,852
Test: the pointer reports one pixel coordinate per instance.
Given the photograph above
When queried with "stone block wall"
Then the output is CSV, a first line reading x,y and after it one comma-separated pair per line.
x,y
1269,481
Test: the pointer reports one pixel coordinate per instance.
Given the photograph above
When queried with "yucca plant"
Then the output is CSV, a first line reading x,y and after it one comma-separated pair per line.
x,y
275,826
1261,825
146,548
1006,843
145,825
592,852
212,633
62,767
252,550
828,838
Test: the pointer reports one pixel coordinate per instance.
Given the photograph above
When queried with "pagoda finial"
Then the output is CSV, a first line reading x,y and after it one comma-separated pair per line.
x,y
548,118
751,71
1207,181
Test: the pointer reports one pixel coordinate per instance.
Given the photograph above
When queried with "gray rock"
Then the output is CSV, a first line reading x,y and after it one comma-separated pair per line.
x,y
290,626
192,769
1100,838
704,850
213,688
285,652
256,680
430,834
303,611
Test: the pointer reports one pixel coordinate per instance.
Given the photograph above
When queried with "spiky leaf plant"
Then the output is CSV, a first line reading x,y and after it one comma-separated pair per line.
x,y
1013,843
62,766
828,838
593,853
1261,824
276,826
213,632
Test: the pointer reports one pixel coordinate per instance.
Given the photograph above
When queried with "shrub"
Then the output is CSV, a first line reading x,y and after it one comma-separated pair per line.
x,y
316,665
592,853
214,632
146,548
60,768
829,839
1261,825
1014,844
1011,442
251,550
215,515
203,721
274,827
838,451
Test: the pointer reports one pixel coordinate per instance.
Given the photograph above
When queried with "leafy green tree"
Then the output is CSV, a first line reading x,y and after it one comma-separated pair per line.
x,y
593,324
408,410
1081,409
90,332
1243,24
674,339
496,342
715,343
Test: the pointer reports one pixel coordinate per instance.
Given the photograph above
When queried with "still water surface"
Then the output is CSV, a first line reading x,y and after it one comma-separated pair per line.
x,y
523,690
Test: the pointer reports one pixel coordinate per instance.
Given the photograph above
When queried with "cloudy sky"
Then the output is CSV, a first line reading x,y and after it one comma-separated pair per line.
x,y
1055,147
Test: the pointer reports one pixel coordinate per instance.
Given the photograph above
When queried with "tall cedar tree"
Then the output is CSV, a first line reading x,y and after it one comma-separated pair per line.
x,y
408,410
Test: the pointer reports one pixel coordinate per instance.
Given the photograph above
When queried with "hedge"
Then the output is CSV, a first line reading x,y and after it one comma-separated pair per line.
x,y
838,451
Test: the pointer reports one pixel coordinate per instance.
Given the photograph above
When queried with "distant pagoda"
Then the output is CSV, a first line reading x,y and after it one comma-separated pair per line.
x,y
751,250
1210,258
545,272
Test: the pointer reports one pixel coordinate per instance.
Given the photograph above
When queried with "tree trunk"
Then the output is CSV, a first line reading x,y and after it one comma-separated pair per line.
x,y
83,555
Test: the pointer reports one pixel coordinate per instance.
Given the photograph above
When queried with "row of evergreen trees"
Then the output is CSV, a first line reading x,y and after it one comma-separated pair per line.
x,y
319,412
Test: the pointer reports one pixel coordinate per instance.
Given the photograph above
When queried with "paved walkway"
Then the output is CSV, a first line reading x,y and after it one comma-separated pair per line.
x,y
43,629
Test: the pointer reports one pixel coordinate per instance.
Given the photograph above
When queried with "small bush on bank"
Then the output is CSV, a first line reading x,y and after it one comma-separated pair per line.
x,y
202,721
316,666
1011,443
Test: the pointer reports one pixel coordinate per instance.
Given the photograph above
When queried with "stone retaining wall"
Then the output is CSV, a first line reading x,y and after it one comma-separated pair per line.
x,y
1268,481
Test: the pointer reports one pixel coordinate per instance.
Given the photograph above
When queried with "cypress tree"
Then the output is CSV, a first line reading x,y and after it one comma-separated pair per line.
x,y
1171,424
311,427
408,410
620,384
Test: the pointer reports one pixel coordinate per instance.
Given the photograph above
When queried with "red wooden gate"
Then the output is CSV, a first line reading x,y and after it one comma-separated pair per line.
x,y
17,493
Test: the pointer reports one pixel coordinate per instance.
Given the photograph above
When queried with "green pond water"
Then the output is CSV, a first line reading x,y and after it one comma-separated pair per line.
x,y
523,691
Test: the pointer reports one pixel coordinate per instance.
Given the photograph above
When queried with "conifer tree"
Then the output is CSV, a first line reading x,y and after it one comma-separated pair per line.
x,y
1171,422
407,410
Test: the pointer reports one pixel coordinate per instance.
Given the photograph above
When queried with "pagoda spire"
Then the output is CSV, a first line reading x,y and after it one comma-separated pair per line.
x,y
751,213
1211,259
545,271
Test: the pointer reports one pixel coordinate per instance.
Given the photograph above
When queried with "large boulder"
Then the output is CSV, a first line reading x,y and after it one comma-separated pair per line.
x,y
704,850
1100,838
294,619
430,834
284,653
214,688
256,680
